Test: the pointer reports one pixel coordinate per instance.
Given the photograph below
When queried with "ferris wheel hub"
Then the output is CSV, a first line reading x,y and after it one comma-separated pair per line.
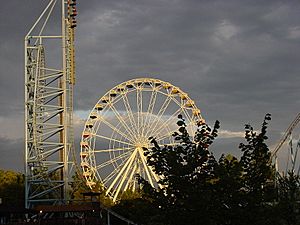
x,y
142,143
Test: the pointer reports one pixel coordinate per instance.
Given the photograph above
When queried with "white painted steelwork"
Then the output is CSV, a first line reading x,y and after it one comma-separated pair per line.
x,y
49,105
286,155
119,126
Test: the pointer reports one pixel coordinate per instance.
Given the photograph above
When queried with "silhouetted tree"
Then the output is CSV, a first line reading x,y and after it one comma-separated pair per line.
x,y
288,199
194,188
187,174
229,197
258,175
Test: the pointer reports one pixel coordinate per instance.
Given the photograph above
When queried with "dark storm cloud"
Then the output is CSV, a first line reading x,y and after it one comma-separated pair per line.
x,y
11,154
16,18
237,59
240,57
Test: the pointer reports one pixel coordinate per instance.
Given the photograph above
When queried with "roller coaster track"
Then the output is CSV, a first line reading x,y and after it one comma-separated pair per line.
x,y
286,135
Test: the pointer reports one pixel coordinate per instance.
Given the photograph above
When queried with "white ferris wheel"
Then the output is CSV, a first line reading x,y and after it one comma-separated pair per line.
x,y
119,126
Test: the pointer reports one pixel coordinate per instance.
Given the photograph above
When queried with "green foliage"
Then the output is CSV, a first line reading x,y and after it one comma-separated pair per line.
x,y
78,187
129,194
12,188
103,198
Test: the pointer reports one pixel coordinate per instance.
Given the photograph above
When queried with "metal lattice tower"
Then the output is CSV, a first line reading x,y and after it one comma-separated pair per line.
x,y
49,141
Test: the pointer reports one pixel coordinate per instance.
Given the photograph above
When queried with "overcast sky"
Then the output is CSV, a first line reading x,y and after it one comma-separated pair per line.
x,y
238,60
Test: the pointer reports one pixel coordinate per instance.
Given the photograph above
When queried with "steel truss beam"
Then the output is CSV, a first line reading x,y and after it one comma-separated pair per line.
x,y
49,141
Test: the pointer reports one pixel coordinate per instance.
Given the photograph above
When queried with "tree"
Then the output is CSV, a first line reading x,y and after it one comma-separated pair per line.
x,y
288,199
79,186
187,173
194,188
138,209
229,198
258,175
12,188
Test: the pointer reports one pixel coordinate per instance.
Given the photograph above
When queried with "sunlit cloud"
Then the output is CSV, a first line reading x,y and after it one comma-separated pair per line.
x,y
231,134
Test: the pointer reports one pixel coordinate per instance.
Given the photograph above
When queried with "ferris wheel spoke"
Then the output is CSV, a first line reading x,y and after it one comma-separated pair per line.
x,y
130,158
115,129
130,177
149,112
111,150
159,115
121,183
176,101
151,171
169,120
129,112
173,98
119,117
167,135
156,178
139,103
187,115
122,121
181,105
110,161
113,173
146,168
111,139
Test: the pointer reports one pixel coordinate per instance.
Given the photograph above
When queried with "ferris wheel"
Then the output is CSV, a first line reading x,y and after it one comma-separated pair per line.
x,y
119,126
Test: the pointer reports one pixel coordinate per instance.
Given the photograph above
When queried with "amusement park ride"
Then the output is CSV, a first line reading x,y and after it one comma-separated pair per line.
x,y
49,141
119,126
116,131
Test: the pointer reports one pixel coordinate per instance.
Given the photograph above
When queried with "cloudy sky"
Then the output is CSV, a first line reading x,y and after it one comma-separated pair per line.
x,y
238,59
